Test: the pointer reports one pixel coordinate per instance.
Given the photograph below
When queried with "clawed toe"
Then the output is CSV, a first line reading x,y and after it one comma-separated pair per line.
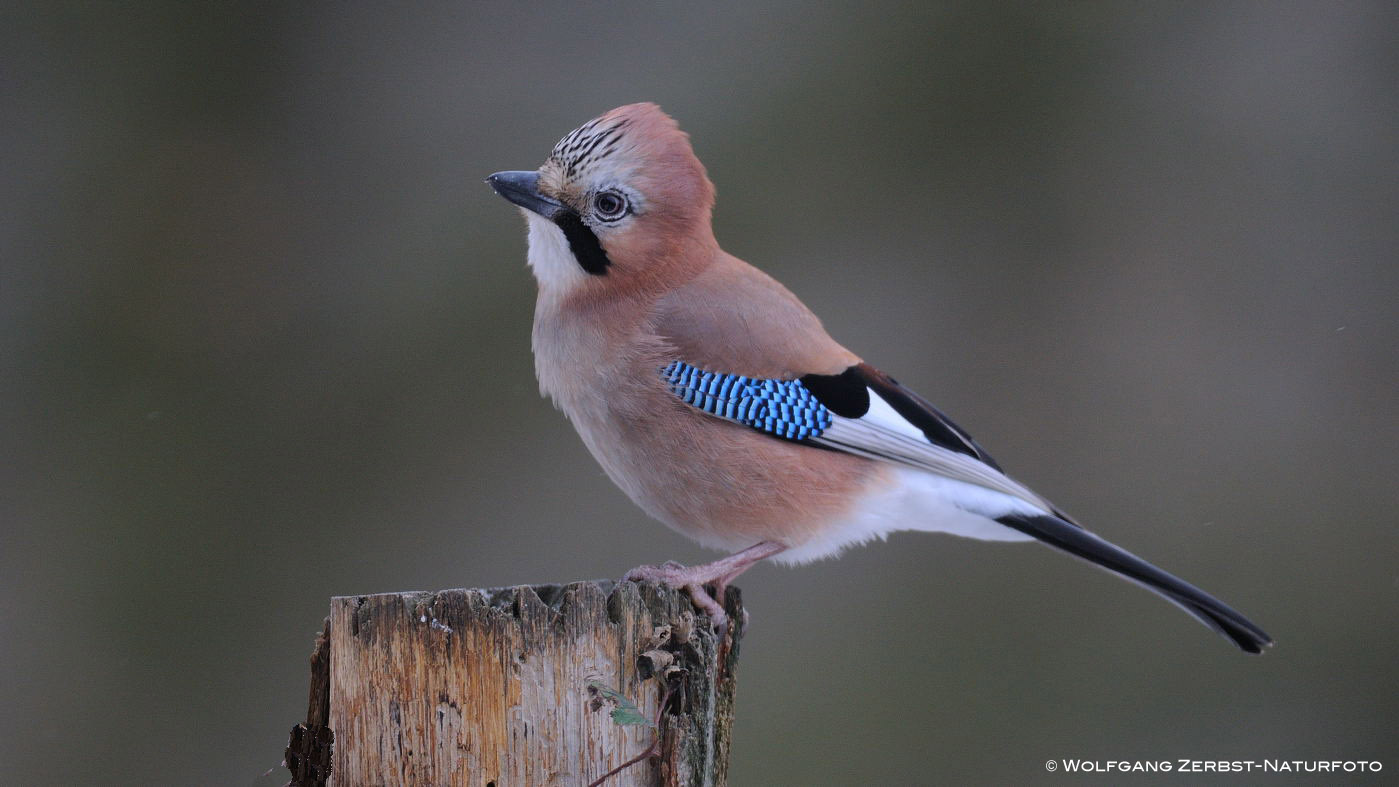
x,y
693,579
641,574
666,573
706,604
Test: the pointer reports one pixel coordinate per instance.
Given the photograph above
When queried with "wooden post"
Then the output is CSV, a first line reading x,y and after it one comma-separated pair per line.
x,y
531,685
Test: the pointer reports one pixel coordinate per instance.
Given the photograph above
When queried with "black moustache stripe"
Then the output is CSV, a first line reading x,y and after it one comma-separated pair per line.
x,y
583,243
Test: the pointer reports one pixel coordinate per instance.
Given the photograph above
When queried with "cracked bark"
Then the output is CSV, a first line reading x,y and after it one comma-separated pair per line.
x,y
489,688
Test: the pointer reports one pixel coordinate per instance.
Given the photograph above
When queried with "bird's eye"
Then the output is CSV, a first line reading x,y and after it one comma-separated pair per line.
x,y
609,205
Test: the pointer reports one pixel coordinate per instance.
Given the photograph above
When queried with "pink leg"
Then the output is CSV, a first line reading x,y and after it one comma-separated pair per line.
x,y
719,573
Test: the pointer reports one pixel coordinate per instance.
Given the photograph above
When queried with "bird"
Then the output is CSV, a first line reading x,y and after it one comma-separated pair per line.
x,y
717,401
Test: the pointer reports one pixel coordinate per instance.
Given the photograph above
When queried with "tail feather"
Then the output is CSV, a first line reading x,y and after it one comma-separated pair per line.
x,y
1206,608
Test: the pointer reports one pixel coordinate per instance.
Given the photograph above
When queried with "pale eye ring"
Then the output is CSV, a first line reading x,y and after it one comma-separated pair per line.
x,y
609,205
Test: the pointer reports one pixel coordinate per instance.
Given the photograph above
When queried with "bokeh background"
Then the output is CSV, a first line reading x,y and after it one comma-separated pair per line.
x,y
264,337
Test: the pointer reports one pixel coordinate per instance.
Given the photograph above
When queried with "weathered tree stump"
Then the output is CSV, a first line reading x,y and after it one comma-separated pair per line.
x,y
531,685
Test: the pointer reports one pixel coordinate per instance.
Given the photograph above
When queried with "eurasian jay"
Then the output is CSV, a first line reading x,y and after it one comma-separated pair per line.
x,y
718,403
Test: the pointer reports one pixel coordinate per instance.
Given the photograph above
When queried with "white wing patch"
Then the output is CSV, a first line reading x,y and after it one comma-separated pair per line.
x,y
884,434
884,416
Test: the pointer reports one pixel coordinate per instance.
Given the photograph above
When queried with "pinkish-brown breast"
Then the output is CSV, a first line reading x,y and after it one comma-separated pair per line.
x,y
721,483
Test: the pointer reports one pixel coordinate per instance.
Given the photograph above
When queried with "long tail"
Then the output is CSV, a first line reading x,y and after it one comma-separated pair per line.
x,y
1079,542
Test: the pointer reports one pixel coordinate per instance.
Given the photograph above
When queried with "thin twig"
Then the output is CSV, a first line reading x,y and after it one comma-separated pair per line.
x,y
654,748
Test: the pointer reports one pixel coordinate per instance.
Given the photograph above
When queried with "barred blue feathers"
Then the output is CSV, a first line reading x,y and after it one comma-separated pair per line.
x,y
784,408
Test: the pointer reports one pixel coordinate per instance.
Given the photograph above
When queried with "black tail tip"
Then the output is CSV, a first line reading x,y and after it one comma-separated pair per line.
x,y
1241,631
1258,646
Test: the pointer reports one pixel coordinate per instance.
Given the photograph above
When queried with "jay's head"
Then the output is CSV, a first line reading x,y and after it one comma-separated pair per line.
x,y
622,200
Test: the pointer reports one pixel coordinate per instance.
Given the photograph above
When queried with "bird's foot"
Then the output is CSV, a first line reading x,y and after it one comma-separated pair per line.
x,y
694,578
690,579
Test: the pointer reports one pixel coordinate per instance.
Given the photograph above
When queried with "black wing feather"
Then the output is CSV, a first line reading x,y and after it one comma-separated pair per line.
x,y
847,394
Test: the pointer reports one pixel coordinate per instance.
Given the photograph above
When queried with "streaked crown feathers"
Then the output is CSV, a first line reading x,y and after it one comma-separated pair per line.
x,y
588,144
637,146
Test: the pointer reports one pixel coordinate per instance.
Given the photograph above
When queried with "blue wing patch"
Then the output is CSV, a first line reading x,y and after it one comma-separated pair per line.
x,y
784,408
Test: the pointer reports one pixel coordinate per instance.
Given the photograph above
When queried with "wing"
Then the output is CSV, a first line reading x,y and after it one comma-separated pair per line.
x,y
865,412
860,411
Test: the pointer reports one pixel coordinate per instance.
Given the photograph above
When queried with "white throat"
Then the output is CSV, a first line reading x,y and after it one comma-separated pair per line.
x,y
552,262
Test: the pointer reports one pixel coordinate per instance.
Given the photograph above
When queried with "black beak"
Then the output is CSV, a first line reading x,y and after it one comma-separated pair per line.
x,y
522,188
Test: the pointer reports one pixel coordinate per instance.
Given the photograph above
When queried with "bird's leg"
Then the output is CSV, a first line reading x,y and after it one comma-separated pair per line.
x,y
719,573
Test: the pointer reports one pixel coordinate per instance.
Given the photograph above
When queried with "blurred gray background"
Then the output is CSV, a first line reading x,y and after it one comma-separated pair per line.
x,y
264,338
